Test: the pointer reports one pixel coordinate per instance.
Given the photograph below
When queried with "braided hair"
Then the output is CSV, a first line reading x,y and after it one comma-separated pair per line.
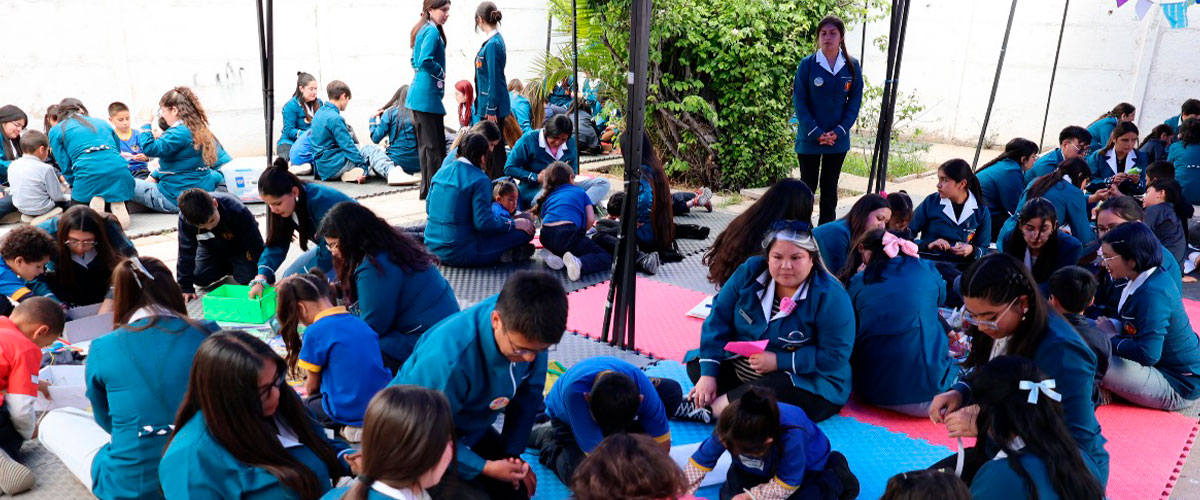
x,y
1001,279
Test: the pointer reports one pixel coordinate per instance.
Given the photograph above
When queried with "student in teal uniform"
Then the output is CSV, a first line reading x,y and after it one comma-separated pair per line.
x,y
521,108
87,151
242,432
788,298
1113,164
428,42
491,359
954,223
408,444
871,211
787,199
900,359
826,94
535,151
188,153
1006,315
339,355
1188,111
12,122
298,112
1156,355
136,377
395,122
1102,128
1064,189
1023,415
293,206
462,230
1003,179
1113,213
1185,155
1073,142
392,282
1039,243
337,155
491,102
655,213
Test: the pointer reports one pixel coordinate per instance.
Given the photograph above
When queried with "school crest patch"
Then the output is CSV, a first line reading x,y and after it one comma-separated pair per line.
x,y
498,404
1129,329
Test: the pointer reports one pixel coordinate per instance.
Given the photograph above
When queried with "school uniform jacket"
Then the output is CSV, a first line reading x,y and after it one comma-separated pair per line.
x,y
1071,207
1101,131
812,344
826,99
900,348
1044,165
934,219
998,480
460,358
1104,166
429,66
1155,331
332,146
1002,185
236,236
567,401
645,206
320,200
401,136
833,238
1065,357
1161,219
295,120
196,467
16,289
1186,158
460,213
91,161
522,111
401,305
490,85
802,449
136,378
529,157
1173,122
180,165
1108,293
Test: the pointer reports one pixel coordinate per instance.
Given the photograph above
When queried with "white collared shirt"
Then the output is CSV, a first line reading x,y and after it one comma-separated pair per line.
x,y
562,150
149,311
398,494
968,209
999,348
286,436
492,34
1016,444
1130,161
767,295
837,64
1133,286
1029,260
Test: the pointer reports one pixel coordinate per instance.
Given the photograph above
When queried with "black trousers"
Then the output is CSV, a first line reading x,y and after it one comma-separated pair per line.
x,y
679,202
313,403
778,383
821,172
454,487
10,439
825,484
212,266
431,146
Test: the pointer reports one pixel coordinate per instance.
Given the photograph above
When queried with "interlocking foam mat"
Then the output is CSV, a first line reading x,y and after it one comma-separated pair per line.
x,y
663,328
1192,308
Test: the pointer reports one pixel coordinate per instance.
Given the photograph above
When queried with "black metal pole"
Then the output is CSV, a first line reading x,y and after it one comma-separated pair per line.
x,y
1053,73
270,75
549,30
881,179
862,53
263,48
987,116
882,132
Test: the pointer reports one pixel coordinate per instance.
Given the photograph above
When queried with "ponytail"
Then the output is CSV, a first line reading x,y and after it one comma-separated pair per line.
x,y
1118,110
73,108
747,423
303,79
489,13
1015,150
558,174
192,114
1075,169
290,292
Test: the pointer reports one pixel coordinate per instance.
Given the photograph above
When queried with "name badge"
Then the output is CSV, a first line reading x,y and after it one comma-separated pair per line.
x,y
746,316
818,81
498,404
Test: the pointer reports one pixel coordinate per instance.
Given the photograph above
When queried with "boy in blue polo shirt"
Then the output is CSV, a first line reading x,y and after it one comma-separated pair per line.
x,y
598,397
25,251
487,360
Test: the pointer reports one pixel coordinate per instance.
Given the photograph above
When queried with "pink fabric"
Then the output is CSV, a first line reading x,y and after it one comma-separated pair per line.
x,y
893,245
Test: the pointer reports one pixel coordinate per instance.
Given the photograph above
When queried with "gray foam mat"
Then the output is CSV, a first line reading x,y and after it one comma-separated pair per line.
x,y
472,285
690,273
575,348
715,222
54,481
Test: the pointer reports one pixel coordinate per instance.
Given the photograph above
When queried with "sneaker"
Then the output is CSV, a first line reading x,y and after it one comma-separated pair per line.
x,y
574,266
648,263
398,177
688,411
841,469
14,477
35,220
352,434
704,198
356,174
301,169
121,213
552,261
97,204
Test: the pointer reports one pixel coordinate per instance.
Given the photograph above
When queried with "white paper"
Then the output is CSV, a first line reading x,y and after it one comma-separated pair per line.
x,y
702,309
68,388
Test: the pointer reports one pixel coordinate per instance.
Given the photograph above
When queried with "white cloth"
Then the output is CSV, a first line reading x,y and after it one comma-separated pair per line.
x,y
1133,286
74,437
1130,161
837,64
767,296
398,494
968,209
147,312
86,258
35,186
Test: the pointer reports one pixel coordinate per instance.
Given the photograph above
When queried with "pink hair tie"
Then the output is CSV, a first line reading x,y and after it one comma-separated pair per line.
x,y
893,245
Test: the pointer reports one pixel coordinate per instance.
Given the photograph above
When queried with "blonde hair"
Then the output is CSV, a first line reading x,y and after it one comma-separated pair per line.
x,y
192,114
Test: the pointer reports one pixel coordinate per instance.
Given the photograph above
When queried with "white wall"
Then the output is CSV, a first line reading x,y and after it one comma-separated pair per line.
x,y
1107,57
135,50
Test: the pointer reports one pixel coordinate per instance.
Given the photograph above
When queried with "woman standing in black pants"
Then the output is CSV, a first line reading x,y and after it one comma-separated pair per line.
x,y
429,85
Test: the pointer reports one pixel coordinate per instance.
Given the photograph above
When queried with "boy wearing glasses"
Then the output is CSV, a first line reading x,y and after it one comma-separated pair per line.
x,y
491,359
218,237
1074,142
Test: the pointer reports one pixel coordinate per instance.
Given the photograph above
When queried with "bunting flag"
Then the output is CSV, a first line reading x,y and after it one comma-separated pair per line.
x,y
1121,3
1176,13
1143,7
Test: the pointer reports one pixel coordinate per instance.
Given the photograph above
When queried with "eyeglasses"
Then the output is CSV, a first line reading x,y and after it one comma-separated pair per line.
x,y
74,243
265,392
970,317
1083,149
520,353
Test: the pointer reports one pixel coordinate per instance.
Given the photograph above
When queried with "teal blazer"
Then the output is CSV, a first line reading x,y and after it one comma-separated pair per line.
x,y
833,239
1156,332
401,136
1071,207
331,143
998,480
321,200
401,305
429,66
295,120
490,85
1044,165
90,159
460,213
1002,185
1101,131
180,165
1186,158
528,158
824,101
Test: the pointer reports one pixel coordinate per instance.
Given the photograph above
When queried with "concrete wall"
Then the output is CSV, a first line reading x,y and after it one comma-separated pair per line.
x,y
135,50
1107,57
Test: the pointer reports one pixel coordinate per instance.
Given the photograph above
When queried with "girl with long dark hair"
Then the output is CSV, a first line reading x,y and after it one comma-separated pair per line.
x,y
429,85
395,122
1039,243
87,149
1102,128
871,211
656,218
1113,213
89,248
12,122
242,432
389,279
827,94
1063,188
954,223
1115,163
787,199
1003,179
298,112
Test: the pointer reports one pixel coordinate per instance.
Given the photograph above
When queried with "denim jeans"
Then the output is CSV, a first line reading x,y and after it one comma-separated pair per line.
x,y
1142,385
378,162
147,193
596,188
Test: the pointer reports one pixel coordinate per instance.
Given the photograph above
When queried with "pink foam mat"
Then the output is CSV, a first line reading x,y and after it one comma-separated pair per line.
x,y
1192,308
1147,448
664,330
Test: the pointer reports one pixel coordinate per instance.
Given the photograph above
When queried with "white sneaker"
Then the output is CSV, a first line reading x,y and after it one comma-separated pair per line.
x,y
552,261
398,177
121,213
574,266
352,434
301,169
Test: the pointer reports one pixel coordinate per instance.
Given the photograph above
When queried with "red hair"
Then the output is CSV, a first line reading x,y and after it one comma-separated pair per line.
x,y
464,108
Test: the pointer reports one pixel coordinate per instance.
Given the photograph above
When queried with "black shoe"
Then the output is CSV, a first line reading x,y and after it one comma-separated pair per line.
x,y
841,469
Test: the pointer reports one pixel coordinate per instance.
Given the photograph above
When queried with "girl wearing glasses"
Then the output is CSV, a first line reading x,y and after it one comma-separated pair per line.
x,y
1039,243
136,377
1156,355
1113,213
89,248
242,432
787,298
1064,188
1073,142
1006,315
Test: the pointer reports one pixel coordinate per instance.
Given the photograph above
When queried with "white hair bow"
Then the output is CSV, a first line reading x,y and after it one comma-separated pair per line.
x,y
1046,387
139,267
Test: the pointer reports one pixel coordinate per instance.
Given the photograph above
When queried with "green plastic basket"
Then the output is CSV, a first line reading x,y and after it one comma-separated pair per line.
x,y
230,303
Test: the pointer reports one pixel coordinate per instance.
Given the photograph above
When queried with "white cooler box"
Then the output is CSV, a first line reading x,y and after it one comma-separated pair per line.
x,y
241,178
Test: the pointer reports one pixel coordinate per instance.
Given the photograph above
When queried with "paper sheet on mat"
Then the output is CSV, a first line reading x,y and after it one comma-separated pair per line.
x,y
702,309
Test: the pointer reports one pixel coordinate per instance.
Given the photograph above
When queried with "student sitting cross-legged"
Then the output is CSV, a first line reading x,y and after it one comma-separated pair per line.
x,y
339,354
336,155
188,153
218,237
37,191
242,432
34,324
599,397
491,359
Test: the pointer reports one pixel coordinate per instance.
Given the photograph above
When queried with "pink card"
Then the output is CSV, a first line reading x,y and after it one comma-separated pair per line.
x,y
746,349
